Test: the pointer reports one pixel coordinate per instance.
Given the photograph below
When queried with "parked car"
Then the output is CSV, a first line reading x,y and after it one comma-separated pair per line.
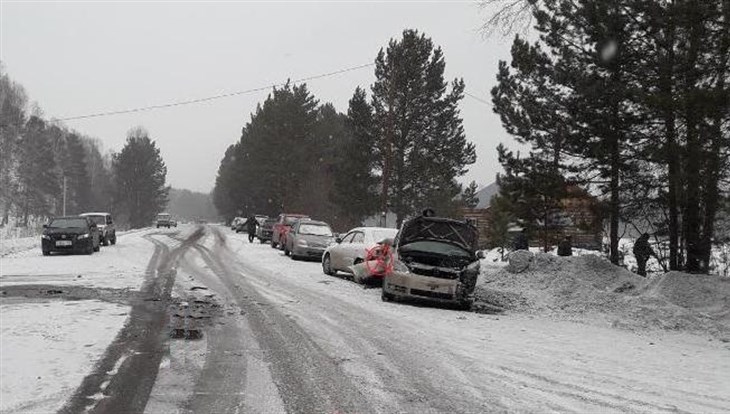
x,y
263,233
434,259
308,238
236,221
282,226
173,222
164,220
105,224
74,234
353,248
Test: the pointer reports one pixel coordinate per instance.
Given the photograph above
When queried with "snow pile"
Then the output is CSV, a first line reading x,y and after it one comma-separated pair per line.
x,y
13,245
590,288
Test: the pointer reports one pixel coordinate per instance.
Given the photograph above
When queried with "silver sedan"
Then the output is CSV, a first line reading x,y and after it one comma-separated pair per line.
x,y
352,249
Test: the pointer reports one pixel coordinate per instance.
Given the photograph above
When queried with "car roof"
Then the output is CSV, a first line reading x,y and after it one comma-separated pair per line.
x,y
66,217
315,222
368,229
94,214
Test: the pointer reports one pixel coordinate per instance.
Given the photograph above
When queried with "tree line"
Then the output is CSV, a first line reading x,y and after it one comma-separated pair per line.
x,y
39,158
629,100
399,150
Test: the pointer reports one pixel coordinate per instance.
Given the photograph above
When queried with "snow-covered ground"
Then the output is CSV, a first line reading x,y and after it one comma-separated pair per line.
x,y
527,362
402,357
48,347
120,266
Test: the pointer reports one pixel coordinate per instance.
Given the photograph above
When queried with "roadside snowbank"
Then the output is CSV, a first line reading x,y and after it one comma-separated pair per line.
x,y
590,289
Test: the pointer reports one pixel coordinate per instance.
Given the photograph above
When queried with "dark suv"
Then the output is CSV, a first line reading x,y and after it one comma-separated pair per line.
x,y
74,234
107,231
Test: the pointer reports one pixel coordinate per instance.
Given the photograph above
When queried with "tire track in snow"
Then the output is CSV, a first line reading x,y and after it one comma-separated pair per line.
x,y
123,378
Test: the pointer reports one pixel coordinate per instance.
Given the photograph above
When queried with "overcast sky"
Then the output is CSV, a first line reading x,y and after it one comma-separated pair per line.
x,y
76,58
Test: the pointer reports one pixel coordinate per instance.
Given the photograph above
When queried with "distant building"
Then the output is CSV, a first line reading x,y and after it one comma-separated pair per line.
x,y
578,218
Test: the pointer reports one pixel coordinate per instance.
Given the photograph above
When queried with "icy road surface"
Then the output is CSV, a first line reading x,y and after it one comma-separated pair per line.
x,y
254,331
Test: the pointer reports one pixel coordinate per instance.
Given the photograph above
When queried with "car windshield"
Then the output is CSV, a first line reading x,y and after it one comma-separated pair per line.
x,y
436,247
315,230
67,223
98,219
291,220
163,216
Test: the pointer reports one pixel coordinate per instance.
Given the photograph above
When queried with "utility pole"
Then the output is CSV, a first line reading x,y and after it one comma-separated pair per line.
x,y
388,149
64,195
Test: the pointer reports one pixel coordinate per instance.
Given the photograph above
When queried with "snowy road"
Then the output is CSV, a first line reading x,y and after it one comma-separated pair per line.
x,y
280,336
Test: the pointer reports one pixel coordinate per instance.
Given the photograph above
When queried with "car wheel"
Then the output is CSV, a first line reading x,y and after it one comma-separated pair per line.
x,y
114,239
387,297
105,241
97,248
90,250
327,266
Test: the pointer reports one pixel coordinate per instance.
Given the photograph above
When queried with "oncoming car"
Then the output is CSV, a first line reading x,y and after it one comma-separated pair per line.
x,y
353,248
73,234
434,259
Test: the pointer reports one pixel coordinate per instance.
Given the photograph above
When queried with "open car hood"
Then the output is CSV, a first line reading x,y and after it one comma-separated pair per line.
x,y
440,229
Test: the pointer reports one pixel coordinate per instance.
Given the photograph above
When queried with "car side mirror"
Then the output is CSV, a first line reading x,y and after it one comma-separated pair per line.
x,y
338,240
481,255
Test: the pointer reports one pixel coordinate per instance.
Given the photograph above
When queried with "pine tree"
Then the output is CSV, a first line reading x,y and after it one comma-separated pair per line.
x,y
500,218
422,147
354,189
140,173
12,119
78,179
37,181
469,195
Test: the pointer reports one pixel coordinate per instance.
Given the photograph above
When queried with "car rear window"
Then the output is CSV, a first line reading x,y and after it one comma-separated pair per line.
x,y
98,219
315,230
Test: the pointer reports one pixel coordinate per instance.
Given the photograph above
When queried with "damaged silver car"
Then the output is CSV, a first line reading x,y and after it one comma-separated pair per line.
x,y
434,259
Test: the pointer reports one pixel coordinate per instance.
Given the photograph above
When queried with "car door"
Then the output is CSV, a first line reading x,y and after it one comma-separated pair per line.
x,y
353,249
338,252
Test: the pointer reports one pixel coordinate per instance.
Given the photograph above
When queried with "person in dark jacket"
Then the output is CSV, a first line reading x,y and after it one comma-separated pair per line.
x,y
521,242
251,225
565,247
642,253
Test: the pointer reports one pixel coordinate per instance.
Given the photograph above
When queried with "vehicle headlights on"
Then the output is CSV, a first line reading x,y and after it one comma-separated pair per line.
x,y
45,237
301,242
83,236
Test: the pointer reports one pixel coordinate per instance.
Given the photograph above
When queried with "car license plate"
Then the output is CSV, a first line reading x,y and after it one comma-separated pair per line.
x,y
63,243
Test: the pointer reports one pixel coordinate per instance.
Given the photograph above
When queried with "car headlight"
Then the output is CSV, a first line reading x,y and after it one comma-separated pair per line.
x,y
83,236
301,242
45,237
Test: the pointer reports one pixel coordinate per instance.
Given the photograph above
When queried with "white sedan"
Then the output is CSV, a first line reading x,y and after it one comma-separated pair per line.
x,y
352,249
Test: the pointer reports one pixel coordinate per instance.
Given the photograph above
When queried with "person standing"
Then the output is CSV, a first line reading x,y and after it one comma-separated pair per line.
x,y
251,225
565,247
521,242
642,253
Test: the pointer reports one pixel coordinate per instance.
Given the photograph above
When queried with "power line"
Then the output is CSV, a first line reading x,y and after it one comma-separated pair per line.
x,y
476,98
214,97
